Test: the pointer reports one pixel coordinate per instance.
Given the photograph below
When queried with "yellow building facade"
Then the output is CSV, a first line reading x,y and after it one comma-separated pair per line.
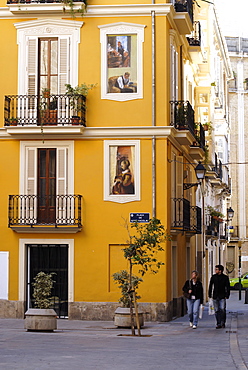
x,y
70,176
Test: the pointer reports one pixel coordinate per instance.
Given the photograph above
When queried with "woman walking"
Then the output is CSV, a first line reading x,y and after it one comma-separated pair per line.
x,y
193,291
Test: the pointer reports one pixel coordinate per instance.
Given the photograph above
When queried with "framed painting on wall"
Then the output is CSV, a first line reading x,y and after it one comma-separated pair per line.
x,y
121,171
122,61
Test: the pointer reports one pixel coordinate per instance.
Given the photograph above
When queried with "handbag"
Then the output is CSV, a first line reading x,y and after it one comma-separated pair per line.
x,y
187,295
211,307
201,309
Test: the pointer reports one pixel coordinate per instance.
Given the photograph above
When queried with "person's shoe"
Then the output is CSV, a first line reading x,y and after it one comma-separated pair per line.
x,y
218,326
190,324
223,326
194,326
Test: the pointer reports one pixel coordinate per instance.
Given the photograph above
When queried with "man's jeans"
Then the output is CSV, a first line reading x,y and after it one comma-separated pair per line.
x,y
193,310
220,310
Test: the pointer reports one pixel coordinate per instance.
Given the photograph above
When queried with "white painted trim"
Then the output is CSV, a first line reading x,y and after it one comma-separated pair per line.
x,y
43,28
125,198
14,11
50,144
121,28
22,264
4,268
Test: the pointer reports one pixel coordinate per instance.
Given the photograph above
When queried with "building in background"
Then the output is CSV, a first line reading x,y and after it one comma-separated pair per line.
x,y
238,95
71,175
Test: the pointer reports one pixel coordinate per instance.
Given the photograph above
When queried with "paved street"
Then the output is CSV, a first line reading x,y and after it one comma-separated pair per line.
x,y
97,345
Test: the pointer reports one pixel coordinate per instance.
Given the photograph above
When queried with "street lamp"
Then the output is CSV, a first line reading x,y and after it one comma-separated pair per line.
x,y
230,213
200,172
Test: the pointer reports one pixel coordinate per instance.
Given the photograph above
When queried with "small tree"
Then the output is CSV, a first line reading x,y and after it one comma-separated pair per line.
x,y
122,278
43,284
142,248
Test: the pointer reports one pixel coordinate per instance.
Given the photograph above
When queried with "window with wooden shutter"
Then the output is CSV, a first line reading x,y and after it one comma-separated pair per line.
x,y
179,177
64,64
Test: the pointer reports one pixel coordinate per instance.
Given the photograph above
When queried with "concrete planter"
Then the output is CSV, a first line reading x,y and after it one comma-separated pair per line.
x,y
122,317
37,319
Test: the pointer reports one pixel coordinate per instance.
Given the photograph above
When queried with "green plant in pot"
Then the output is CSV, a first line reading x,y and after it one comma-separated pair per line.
x,y
77,99
13,121
42,317
122,314
45,92
43,284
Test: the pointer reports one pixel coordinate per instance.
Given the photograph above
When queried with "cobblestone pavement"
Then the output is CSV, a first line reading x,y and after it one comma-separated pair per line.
x,y
98,345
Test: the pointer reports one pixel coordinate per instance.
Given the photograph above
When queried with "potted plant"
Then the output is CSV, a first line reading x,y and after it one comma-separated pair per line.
x,y
216,215
77,97
41,318
122,314
207,126
45,93
13,121
142,247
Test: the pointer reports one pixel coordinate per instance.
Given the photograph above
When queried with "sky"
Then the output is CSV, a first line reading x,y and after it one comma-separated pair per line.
x,y
232,16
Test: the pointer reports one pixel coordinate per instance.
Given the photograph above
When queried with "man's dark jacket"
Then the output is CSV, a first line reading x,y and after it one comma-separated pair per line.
x,y
221,286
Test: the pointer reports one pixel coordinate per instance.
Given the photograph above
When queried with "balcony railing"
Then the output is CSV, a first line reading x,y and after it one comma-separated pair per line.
x,y
185,217
34,210
223,231
195,38
182,115
184,6
212,226
195,219
180,214
218,167
38,110
200,136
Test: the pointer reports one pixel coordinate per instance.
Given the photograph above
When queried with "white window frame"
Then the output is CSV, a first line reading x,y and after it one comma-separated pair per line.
x,y
121,198
23,267
174,60
47,28
122,28
51,144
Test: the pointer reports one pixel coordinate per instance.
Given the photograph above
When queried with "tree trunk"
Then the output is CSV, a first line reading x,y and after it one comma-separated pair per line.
x,y
130,296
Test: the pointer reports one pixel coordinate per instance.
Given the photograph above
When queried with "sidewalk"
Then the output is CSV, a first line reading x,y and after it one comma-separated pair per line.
x,y
97,344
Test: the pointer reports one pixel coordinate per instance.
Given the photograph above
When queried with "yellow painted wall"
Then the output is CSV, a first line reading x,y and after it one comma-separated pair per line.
x,y
98,246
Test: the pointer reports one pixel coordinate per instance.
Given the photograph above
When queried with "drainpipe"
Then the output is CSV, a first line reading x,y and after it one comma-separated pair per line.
x,y
153,116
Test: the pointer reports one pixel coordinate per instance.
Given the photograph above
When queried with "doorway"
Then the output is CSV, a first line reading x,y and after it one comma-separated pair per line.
x,y
49,258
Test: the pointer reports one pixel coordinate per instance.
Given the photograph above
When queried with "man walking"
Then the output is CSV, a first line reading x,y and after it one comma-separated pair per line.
x,y
219,290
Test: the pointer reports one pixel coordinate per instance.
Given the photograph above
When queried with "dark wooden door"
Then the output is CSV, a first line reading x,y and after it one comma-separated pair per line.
x,y
49,258
46,186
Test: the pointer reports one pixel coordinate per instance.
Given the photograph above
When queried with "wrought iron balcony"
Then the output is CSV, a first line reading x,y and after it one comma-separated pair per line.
x,y
200,136
212,226
195,38
218,167
182,115
184,6
223,231
20,110
35,212
185,217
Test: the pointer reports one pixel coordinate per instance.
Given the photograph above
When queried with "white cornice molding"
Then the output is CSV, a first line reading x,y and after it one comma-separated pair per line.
x,y
82,133
92,10
48,21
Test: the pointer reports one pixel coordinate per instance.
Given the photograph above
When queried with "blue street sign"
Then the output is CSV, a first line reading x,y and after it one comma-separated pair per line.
x,y
139,217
